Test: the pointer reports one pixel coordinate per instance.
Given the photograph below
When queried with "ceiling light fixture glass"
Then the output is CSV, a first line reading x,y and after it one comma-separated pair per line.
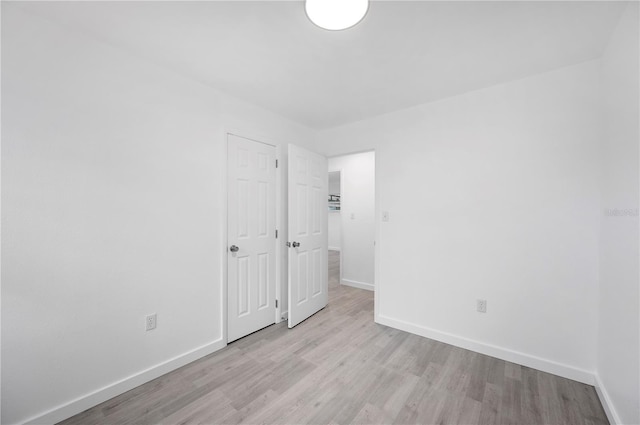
x,y
336,15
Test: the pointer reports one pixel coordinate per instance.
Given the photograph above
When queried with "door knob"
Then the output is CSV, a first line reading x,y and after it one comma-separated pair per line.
x,y
233,248
296,244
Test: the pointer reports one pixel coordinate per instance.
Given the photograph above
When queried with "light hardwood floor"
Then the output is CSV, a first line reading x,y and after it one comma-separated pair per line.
x,y
340,367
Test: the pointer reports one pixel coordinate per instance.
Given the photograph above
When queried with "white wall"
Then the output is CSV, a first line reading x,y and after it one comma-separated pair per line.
x,y
495,195
335,230
334,183
112,195
618,341
357,216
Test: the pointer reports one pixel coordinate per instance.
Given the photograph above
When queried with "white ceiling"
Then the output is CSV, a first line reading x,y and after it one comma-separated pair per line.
x,y
402,54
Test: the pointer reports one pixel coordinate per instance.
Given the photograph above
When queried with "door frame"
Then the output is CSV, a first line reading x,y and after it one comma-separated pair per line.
x,y
224,253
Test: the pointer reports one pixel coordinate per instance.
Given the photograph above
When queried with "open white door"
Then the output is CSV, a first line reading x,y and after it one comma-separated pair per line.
x,y
251,228
308,240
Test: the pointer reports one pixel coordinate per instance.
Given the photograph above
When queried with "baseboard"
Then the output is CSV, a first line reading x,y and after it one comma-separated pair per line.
x,y
502,353
334,248
83,403
356,284
603,395
285,315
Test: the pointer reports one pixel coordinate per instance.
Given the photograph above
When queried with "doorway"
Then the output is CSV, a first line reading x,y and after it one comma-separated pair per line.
x,y
334,228
351,218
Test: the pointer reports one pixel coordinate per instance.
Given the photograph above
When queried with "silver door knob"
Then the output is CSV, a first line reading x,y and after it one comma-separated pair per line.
x,y
296,244
234,248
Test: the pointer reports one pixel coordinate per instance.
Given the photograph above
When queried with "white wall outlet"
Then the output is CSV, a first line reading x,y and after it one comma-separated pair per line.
x,y
385,215
151,321
481,306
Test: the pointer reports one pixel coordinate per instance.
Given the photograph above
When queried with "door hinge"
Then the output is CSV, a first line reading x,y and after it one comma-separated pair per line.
x,y
276,163
276,233
276,303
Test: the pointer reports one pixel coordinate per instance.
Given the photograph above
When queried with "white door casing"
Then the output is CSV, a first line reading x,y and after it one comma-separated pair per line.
x,y
308,233
251,226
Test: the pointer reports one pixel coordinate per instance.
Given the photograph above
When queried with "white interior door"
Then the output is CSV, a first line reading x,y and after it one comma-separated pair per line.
x,y
308,233
250,236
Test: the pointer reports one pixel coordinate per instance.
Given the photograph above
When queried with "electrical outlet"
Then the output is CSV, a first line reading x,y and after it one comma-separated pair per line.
x,y
482,306
151,321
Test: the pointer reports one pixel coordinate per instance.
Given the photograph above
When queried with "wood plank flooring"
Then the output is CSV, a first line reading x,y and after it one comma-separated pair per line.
x,y
339,367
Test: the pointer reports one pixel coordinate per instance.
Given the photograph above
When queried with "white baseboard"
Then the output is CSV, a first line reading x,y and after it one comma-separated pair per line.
x,y
603,395
334,248
502,353
83,403
356,284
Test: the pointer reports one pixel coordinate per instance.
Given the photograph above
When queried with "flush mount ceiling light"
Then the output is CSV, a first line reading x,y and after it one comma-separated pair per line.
x,y
336,14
